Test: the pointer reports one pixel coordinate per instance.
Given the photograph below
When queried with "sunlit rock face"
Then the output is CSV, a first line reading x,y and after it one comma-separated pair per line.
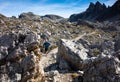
x,y
19,60
95,69
72,53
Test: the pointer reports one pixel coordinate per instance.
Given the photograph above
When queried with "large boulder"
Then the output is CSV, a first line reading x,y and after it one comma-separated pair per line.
x,y
102,68
20,57
72,53
31,38
105,68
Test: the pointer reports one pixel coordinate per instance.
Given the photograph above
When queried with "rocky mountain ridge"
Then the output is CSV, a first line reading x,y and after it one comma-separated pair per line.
x,y
98,12
34,17
112,13
91,13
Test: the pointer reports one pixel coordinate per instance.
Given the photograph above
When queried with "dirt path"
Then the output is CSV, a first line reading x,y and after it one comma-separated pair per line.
x,y
49,58
50,72
80,36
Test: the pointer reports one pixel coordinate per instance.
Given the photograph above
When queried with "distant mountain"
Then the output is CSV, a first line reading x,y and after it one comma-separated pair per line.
x,y
34,17
99,12
52,17
112,13
29,16
91,13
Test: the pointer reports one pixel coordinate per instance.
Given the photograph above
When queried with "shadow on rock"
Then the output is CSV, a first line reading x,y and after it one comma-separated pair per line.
x,y
51,67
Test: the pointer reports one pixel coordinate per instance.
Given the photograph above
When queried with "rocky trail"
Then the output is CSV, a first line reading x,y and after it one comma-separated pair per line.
x,y
48,59
50,67
80,36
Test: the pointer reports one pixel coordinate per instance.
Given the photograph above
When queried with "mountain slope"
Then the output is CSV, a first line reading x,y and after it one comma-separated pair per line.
x,y
112,13
92,12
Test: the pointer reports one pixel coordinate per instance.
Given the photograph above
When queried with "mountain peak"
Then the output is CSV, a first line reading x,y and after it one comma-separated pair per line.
x,y
91,13
91,6
98,3
96,7
104,5
113,12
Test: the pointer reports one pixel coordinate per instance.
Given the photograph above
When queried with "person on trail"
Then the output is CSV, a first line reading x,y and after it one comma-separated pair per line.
x,y
46,46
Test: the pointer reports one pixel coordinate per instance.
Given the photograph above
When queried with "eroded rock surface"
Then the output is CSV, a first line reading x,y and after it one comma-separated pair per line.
x,y
72,53
19,60
103,67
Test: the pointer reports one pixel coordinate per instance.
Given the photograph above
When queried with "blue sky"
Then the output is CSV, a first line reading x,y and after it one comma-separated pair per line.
x,y
41,7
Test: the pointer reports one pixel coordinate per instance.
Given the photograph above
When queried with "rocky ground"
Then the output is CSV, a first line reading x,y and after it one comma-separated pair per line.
x,y
79,52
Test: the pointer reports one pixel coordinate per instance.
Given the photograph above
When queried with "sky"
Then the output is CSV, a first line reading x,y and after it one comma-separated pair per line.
x,y
62,8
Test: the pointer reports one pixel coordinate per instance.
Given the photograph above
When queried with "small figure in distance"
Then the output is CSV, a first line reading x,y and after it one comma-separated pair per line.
x,y
46,46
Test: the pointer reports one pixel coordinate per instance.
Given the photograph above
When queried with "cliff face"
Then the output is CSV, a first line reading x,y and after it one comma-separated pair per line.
x,y
111,13
92,12
99,12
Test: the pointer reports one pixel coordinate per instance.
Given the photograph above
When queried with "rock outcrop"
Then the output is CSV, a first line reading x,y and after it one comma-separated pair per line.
x,y
72,53
19,60
106,69
103,67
